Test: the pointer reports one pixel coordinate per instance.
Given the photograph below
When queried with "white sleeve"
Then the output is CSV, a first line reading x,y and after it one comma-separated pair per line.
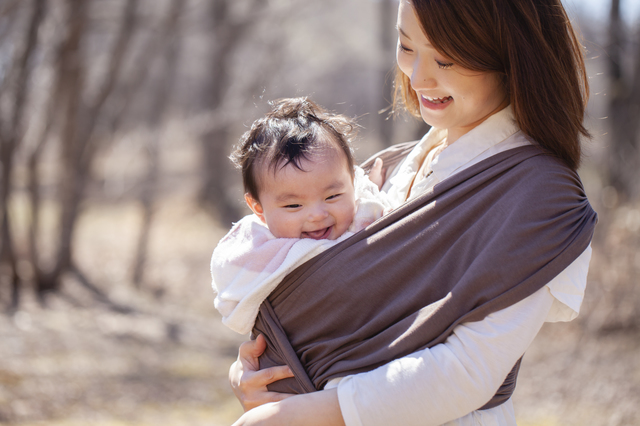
x,y
371,203
452,379
568,289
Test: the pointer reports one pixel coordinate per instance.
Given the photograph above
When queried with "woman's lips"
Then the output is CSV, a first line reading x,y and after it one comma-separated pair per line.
x,y
320,234
436,103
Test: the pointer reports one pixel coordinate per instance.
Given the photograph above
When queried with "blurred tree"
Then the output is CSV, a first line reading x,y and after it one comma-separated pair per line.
x,y
79,143
159,104
82,79
624,106
12,129
227,30
387,15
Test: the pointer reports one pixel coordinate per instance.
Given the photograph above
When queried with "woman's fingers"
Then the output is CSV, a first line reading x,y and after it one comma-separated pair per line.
x,y
250,351
249,384
273,374
249,381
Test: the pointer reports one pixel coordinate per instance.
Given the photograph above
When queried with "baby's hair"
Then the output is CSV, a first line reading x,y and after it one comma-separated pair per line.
x,y
292,131
532,45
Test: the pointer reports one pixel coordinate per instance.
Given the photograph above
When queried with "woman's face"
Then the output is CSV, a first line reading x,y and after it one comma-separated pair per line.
x,y
451,97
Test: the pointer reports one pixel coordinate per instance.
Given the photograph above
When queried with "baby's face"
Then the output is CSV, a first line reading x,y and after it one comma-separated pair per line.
x,y
317,203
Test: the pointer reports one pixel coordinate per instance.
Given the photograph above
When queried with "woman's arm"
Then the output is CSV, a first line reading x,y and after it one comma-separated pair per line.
x,y
311,409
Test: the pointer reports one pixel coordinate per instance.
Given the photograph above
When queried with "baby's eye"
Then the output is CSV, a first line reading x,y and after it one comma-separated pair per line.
x,y
333,197
293,206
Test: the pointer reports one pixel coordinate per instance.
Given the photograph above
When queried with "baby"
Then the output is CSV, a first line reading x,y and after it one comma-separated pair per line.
x,y
306,195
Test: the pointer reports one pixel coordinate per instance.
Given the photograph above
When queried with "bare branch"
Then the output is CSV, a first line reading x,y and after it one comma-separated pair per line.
x,y
24,73
8,7
133,85
120,48
10,15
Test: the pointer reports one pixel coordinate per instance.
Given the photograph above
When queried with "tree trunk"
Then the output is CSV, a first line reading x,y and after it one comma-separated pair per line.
x,y
79,146
11,138
72,74
160,103
623,110
226,32
387,10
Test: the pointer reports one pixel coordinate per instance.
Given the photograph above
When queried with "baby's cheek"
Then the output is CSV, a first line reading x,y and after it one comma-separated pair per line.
x,y
354,209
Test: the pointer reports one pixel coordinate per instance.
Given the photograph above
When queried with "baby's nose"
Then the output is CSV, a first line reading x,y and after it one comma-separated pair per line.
x,y
318,213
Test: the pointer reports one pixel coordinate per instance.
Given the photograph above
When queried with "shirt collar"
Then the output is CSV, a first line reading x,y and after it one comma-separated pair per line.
x,y
401,181
487,134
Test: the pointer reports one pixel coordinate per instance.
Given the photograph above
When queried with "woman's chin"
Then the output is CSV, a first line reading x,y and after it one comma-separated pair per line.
x,y
432,121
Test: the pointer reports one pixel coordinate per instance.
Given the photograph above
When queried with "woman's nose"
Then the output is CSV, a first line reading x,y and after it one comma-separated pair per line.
x,y
422,76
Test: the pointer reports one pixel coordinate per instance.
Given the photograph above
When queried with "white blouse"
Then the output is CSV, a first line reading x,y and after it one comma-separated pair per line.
x,y
445,383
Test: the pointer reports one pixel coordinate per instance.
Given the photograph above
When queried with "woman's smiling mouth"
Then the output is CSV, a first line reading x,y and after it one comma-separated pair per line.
x,y
438,100
436,103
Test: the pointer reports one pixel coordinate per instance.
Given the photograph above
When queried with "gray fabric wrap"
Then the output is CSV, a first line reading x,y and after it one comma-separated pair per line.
x,y
480,241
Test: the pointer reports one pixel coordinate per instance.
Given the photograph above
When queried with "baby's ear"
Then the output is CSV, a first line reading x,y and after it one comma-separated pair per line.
x,y
255,206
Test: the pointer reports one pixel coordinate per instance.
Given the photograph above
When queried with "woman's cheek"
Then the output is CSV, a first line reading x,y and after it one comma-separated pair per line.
x,y
404,63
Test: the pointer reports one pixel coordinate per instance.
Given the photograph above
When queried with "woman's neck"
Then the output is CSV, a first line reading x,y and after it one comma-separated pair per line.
x,y
454,134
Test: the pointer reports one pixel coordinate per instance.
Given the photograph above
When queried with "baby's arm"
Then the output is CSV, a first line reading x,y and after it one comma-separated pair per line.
x,y
371,203
377,173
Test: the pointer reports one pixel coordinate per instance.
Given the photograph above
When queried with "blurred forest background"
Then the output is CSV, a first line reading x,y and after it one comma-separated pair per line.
x,y
116,121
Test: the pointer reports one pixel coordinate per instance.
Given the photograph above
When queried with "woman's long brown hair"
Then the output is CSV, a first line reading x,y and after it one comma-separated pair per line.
x,y
533,45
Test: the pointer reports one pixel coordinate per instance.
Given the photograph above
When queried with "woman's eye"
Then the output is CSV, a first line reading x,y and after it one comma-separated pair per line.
x,y
404,48
444,65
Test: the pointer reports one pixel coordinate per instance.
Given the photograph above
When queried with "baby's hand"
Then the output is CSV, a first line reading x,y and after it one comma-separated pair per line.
x,y
377,174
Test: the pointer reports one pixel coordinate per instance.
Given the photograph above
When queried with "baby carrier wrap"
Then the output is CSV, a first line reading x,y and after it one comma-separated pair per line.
x,y
478,242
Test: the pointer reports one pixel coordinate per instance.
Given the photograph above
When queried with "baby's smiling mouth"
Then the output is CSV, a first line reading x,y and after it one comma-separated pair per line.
x,y
319,234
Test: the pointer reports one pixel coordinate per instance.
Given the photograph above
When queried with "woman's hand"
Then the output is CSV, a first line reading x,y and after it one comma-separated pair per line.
x,y
249,383
311,409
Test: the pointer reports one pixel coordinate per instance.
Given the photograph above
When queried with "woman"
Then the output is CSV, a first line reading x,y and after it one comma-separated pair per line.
x,y
489,76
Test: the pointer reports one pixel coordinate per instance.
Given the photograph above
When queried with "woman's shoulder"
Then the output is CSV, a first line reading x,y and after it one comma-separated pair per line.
x,y
533,159
544,185
544,166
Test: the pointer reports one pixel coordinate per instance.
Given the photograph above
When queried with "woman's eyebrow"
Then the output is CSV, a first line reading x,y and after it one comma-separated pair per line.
x,y
409,38
402,32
